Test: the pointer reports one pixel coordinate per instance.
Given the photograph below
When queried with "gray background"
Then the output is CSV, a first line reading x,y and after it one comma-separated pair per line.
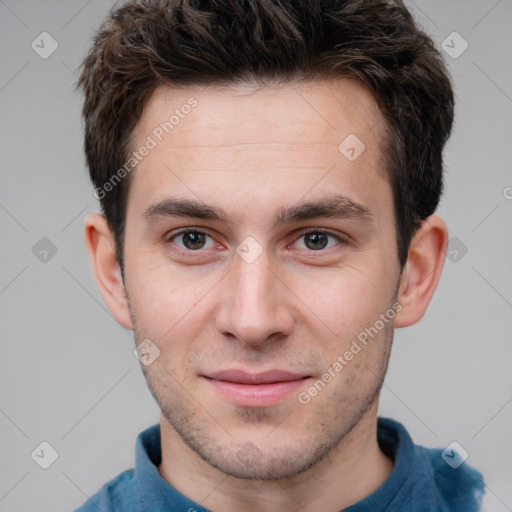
x,y
68,375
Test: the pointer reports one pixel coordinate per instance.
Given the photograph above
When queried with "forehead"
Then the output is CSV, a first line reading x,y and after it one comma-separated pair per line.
x,y
323,109
280,137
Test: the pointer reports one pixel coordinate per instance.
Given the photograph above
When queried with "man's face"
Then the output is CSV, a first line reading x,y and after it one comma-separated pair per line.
x,y
275,251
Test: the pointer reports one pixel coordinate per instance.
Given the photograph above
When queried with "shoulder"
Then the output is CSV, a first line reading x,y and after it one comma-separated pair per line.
x,y
123,493
114,495
428,479
459,485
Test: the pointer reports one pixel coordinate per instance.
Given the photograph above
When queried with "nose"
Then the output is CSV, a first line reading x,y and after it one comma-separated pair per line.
x,y
255,303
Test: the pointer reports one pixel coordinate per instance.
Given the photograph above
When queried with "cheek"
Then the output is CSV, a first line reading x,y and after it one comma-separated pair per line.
x,y
155,299
171,315
345,300
166,303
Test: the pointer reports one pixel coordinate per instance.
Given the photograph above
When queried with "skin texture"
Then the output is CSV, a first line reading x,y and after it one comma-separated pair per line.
x,y
252,152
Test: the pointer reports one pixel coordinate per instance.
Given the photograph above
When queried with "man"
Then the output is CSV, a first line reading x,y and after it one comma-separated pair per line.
x,y
268,173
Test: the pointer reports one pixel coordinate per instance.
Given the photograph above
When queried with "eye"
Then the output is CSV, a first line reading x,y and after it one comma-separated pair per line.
x,y
317,240
192,240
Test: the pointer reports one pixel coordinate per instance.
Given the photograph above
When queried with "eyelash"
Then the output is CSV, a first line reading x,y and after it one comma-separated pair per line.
x,y
338,238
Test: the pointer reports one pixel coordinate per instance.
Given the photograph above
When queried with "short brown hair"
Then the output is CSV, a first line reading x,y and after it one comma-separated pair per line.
x,y
147,43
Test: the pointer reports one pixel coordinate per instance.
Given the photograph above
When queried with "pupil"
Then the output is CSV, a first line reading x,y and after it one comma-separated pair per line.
x,y
193,240
316,240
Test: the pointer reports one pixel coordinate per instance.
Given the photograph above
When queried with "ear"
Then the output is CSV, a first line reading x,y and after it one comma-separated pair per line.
x,y
422,270
107,271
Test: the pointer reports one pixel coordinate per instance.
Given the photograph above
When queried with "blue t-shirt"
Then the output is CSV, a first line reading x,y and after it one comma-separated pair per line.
x,y
421,481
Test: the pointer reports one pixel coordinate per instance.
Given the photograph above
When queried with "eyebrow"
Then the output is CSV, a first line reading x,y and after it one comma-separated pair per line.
x,y
336,207
340,206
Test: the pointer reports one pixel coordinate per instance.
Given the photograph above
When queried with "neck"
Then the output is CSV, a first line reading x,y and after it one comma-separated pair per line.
x,y
353,470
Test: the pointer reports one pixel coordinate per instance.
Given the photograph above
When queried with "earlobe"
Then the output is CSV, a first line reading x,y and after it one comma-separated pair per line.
x,y
107,271
422,270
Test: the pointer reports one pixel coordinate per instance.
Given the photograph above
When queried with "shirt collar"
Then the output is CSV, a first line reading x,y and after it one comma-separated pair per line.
x,y
396,443
156,493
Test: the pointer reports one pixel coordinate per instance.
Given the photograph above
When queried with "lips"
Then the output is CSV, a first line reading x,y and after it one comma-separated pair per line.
x,y
255,389
268,377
